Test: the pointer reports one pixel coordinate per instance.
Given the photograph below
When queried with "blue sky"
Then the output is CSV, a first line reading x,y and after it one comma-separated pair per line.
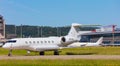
x,y
60,12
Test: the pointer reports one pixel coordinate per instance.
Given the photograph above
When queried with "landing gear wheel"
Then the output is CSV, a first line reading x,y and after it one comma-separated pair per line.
x,y
41,53
56,52
28,52
10,53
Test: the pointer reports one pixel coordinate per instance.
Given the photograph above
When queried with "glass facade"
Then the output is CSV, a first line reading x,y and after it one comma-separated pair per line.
x,y
108,38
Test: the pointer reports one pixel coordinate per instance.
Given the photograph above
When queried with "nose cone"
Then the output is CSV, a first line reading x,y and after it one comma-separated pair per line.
x,y
6,46
1,44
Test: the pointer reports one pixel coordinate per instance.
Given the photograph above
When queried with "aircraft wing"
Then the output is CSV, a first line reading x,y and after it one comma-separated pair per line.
x,y
83,45
43,47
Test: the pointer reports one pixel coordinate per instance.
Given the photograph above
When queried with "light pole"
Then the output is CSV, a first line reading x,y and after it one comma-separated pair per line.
x,y
15,31
57,31
38,31
113,31
41,32
21,30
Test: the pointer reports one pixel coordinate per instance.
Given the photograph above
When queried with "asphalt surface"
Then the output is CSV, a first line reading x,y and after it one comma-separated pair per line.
x,y
64,57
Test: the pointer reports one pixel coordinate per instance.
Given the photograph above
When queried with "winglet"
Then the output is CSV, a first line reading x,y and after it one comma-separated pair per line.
x,y
100,40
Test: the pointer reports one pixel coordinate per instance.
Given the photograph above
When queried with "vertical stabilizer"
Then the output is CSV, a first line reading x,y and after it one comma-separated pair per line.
x,y
75,28
100,40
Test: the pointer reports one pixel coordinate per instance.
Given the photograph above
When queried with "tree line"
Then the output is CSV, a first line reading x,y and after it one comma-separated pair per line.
x,y
40,31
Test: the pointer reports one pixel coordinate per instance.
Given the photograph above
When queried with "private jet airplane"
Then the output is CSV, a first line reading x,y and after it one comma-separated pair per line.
x,y
44,43
81,44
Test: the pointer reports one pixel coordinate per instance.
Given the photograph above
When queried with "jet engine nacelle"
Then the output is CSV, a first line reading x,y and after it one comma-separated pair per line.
x,y
65,40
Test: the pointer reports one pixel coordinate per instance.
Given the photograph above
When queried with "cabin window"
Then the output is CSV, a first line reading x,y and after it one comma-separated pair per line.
x,y
41,41
38,42
48,41
30,42
34,42
26,42
45,41
52,41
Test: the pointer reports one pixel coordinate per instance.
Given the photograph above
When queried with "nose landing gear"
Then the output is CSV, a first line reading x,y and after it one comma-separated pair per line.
x,y
10,52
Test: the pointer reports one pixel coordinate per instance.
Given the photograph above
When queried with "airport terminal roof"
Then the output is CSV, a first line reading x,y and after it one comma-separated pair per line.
x,y
97,33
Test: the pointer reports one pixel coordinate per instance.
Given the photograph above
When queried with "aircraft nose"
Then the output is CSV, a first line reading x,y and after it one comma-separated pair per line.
x,y
5,46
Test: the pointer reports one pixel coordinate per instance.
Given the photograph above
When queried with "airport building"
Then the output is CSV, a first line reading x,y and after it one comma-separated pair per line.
x,y
110,34
2,27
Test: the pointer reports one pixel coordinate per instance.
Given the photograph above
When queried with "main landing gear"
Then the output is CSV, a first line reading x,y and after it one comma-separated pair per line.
x,y
56,52
41,53
10,52
28,52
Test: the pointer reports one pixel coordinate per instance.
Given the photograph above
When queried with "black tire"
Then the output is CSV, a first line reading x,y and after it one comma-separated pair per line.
x,y
41,53
56,52
9,54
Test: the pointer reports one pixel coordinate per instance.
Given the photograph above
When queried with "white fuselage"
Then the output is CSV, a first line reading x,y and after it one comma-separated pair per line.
x,y
81,44
37,44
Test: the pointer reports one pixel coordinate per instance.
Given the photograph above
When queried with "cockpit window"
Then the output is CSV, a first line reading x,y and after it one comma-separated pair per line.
x,y
11,41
